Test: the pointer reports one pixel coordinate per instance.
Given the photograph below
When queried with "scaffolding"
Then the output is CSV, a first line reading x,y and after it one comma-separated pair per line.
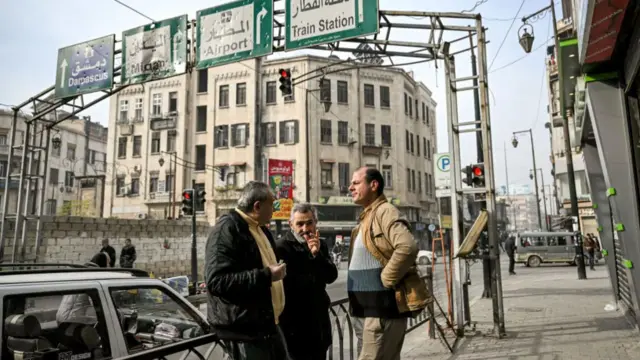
x,y
436,48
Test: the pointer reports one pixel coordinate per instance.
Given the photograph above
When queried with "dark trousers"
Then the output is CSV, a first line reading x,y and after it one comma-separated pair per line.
x,y
309,356
274,348
512,262
592,258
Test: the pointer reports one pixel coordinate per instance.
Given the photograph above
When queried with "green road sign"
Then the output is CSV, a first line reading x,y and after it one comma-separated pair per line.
x,y
85,67
313,22
235,31
154,51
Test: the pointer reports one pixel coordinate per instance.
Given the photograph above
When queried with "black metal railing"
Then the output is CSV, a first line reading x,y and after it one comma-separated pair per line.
x,y
344,346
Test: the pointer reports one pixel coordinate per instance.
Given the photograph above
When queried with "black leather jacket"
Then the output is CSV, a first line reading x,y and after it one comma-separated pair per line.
x,y
239,286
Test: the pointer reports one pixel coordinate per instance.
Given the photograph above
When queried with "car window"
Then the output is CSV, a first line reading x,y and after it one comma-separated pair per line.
x,y
69,325
151,316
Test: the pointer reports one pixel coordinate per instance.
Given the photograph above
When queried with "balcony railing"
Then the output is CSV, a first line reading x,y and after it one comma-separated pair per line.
x,y
344,339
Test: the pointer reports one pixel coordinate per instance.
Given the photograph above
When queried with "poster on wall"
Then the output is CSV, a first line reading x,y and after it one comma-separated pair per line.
x,y
281,183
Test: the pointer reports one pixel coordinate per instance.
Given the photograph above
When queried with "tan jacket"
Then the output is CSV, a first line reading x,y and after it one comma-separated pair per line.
x,y
387,237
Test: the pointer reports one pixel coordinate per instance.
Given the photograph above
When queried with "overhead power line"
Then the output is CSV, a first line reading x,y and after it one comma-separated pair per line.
x,y
506,34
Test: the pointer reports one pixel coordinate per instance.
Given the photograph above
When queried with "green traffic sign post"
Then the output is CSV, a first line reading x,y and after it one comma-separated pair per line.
x,y
154,51
233,32
85,67
310,23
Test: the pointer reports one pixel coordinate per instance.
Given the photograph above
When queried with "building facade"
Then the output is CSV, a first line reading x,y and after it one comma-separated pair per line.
x,y
330,125
75,170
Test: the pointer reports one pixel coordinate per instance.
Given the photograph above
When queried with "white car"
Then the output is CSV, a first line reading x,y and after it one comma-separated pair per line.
x,y
425,256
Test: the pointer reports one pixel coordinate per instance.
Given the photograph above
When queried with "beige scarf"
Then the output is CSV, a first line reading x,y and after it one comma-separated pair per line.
x,y
268,258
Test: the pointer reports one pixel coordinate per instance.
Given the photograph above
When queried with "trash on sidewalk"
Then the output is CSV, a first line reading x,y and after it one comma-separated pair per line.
x,y
611,307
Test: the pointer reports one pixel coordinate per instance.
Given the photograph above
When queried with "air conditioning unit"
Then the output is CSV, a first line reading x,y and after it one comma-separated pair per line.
x,y
352,140
124,190
141,216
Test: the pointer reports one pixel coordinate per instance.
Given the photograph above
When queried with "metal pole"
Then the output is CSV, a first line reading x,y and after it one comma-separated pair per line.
x,y
45,181
170,212
535,179
7,183
582,271
307,136
257,122
506,175
544,201
494,251
194,249
173,184
19,206
454,148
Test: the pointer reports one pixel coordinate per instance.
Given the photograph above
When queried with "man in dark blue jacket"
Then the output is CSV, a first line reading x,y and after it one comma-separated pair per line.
x,y
244,280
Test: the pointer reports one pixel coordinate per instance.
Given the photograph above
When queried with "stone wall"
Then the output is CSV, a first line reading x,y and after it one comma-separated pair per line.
x,y
70,239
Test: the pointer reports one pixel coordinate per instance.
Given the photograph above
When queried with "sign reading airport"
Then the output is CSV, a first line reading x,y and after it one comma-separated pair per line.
x,y
313,22
85,67
154,51
234,32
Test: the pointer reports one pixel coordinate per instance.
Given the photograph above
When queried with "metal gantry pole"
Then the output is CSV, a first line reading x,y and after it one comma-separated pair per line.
x,y
7,183
456,170
485,121
535,178
45,180
21,189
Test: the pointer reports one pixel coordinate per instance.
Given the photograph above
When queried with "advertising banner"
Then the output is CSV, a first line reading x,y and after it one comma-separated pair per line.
x,y
281,183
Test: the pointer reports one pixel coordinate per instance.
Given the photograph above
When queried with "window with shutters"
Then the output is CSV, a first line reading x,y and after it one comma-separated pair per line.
x,y
173,102
427,189
68,178
289,132
413,180
385,97
424,112
221,137
417,110
429,149
387,174
271,93
369,95
269,133
153,183
241,94
385,133
124,110
370,134
407,141
171,140
223,96
343,92
201,157
326,174
343,133
203,80
325,90
344,176
424,147
418,145
240,135
410,106
138,116
411,140
156,108
201,118
54,174
325,131
406,103
409,180
419,184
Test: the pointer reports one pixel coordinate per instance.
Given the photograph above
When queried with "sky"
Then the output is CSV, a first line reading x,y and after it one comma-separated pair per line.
x,y
32,31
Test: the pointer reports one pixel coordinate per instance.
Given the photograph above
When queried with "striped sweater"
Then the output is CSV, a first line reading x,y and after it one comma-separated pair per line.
x,y
367,296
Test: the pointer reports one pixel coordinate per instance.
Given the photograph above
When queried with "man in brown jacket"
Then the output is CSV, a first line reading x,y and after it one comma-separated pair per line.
x,y
383,285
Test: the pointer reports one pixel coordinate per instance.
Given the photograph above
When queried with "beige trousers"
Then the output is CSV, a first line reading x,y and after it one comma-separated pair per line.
x,y
382,339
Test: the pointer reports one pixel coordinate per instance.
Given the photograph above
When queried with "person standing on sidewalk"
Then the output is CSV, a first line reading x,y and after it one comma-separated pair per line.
x,y
244,279
109,250
383,285
127,255
510,249
590,247
305,319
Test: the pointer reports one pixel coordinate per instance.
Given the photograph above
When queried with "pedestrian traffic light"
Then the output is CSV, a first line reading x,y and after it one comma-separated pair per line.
x,y
468,175
285,82
201,195
477,173
187,201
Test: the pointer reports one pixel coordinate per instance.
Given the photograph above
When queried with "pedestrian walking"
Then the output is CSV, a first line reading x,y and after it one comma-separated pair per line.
x,y
305,320
127,255
109,250
510,249
590,246
244,279
383,284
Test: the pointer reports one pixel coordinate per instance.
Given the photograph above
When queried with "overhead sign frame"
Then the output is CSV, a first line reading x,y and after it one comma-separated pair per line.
x,y
239,39
353,17
85,67
154,51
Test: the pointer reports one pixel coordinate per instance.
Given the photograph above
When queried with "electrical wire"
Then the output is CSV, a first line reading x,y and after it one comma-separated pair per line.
x,y
134,10
506,34
520,58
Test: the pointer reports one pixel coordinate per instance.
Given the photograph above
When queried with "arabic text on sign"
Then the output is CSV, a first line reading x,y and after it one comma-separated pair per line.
x,y
148,52
221,36
321,17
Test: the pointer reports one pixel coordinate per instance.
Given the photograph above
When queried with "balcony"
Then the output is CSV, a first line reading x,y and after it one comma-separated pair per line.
x,y
4,149
371,148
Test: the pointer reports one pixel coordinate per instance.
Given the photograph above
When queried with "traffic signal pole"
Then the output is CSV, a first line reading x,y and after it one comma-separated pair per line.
x,y
194,248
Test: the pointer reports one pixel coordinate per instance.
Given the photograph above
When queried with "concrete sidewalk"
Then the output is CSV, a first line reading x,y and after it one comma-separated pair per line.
x,y
549,314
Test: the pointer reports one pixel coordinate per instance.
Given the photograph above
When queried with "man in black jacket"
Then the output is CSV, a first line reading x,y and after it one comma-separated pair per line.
x,y
510,249
106,248
246,295
305,320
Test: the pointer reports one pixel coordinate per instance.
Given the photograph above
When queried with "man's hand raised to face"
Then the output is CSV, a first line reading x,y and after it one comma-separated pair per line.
x,y
314,242
278,271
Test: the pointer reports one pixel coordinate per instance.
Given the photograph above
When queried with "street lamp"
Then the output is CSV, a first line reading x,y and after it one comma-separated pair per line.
x,y
544,198
514,141
526,38
582,271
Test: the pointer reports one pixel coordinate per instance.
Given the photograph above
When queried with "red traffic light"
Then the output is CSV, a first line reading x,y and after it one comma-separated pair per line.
x,y
478,171
186,195
284,73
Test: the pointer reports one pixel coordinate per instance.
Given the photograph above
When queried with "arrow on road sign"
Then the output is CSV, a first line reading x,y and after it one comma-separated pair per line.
x,y
63,67
259,18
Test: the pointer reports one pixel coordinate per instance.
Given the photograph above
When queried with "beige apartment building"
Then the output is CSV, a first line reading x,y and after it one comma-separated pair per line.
x,y
356,117
75,171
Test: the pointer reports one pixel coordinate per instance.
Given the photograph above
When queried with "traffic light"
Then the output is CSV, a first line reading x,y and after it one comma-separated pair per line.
x,y
468,175
187,201
285,82
201,195
477,173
